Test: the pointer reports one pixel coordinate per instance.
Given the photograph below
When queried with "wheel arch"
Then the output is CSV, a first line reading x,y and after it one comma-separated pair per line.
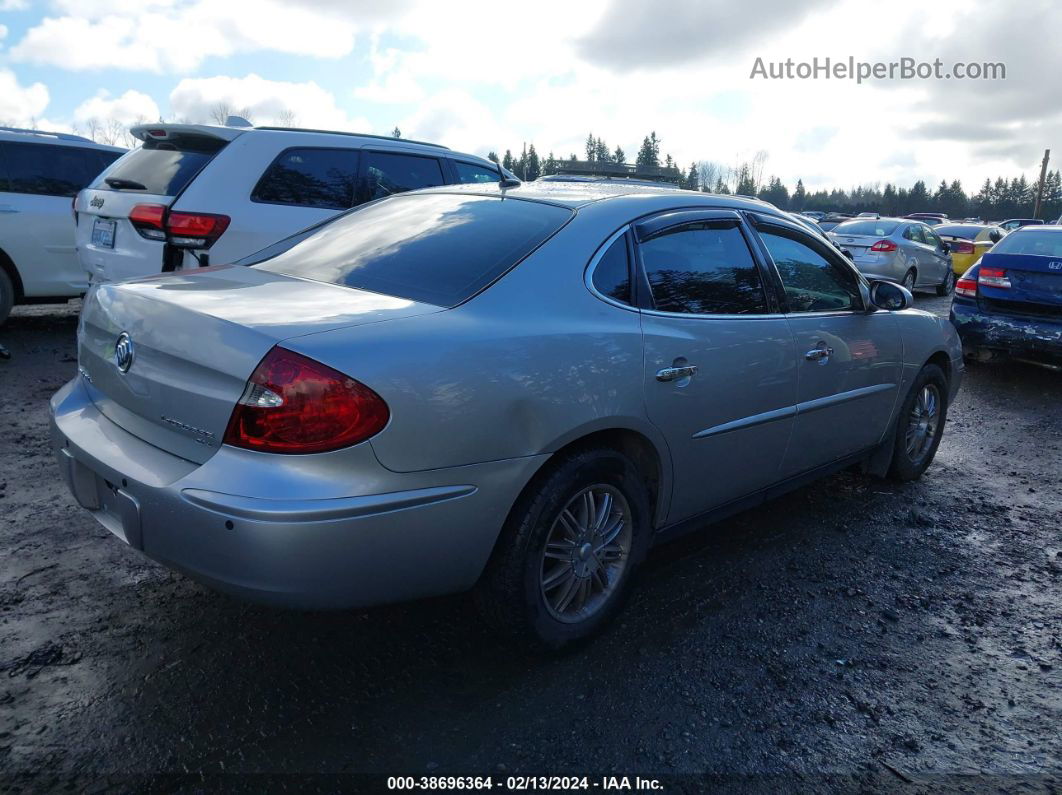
x,y
7,265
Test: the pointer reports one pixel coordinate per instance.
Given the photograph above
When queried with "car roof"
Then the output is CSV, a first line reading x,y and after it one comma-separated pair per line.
x,y
146,132
580,194
24,135
1038,229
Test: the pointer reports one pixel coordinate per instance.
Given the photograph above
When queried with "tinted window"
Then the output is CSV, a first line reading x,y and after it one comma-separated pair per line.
x,y
50,170
965,232
612,275
812,282
467,172
703,268
162,167
875,228
322,178
438,248
386,174
1044,243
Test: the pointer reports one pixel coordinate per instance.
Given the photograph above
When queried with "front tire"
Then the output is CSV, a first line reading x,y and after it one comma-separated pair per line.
x,y
569,550
948,285
920,425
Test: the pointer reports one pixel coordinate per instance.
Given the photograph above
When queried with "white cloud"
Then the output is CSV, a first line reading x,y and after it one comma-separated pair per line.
x,y
164,36
266,101
129,108
13,5
20,105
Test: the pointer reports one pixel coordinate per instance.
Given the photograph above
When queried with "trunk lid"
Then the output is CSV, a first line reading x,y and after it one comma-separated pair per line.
x,y
1035,286
196,339
857,244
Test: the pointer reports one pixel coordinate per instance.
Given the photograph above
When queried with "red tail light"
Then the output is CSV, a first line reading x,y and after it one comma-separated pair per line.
x,y
147,219
962,247
195,230
185,230
293,404
993,277
883,245
966,286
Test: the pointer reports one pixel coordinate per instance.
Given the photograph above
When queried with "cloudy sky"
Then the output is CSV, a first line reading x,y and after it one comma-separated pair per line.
x,y
490,75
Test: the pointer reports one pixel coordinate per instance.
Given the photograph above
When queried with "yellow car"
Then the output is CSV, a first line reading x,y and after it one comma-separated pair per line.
x,y
968,242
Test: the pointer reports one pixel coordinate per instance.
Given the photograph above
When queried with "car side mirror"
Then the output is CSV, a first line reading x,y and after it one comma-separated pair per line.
x,y
995,236
848,254
945,248
890,296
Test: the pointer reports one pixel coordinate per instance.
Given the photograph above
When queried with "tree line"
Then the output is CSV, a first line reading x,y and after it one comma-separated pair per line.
x,y
997,199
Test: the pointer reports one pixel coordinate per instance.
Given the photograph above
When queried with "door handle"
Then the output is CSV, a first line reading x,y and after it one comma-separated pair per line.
x,y
675,373
819,354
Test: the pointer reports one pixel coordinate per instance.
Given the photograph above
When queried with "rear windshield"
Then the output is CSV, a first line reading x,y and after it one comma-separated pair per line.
x,y
161,167
875,228
1042,242
965,232
437,248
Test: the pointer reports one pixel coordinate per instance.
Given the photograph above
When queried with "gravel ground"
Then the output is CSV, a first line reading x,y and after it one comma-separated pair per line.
x,y
853,634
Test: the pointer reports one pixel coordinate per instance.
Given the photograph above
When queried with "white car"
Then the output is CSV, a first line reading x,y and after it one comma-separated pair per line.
x,y
39,174
193,195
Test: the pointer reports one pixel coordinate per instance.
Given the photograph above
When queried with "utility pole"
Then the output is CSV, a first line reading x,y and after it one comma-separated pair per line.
x,y
1040,184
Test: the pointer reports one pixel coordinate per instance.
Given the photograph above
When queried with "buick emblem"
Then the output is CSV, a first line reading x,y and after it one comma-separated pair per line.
x,y
124,353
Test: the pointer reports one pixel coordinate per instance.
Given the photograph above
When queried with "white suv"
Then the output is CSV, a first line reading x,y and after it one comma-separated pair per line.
x,y
39,174
196,194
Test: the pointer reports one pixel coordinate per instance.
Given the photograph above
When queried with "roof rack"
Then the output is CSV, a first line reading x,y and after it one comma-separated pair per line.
x,y
59,135
356,134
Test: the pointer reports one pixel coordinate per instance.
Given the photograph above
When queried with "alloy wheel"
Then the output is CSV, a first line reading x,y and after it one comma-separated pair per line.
x,y
587,551
922,423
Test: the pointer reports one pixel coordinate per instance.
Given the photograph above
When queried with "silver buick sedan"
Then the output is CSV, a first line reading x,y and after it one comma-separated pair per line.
x,y
512,390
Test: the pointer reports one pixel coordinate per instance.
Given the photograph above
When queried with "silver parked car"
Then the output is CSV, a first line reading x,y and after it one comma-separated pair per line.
x,y
512,391
900,250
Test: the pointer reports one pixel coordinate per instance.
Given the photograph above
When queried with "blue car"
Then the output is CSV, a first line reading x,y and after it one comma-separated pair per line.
x,y
1009,303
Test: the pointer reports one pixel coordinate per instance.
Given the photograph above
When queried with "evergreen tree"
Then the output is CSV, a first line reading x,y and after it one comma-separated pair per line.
x,y
396,133
692,178
800,197
492,155
591,148
721,187
619,156
507,161
746,186
534,168
649,153
549,166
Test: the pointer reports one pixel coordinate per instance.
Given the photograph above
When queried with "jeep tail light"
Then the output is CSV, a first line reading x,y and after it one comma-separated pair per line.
x,y
883,245
966,286
293,404
993,277
195,230
147,219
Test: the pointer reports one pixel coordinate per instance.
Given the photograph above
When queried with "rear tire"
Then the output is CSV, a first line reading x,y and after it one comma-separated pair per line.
x,y
553,578
920,425
7,296
949,284
909,280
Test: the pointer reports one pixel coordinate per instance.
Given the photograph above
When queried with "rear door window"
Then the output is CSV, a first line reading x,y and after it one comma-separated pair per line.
x,y
310,177
388,173
438,248
50,170
471,173
162,168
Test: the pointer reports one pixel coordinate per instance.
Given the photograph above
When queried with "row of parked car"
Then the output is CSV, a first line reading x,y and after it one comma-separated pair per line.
x,y
188,195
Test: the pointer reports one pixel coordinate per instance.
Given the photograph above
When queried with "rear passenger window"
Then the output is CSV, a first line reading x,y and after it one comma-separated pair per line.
x,y
323,178
387,174
612,276
50,170
812,282
469,173
703,268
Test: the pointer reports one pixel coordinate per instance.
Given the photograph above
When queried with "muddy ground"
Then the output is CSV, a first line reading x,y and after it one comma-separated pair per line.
x,y
854,634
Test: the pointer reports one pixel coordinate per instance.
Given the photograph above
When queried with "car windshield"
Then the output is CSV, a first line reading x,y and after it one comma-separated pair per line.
x,y
965,232
1041,242
875,228
437,248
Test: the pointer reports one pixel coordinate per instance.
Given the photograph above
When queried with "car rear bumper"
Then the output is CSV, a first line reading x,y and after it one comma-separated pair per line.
x,y
392,537
1031,337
